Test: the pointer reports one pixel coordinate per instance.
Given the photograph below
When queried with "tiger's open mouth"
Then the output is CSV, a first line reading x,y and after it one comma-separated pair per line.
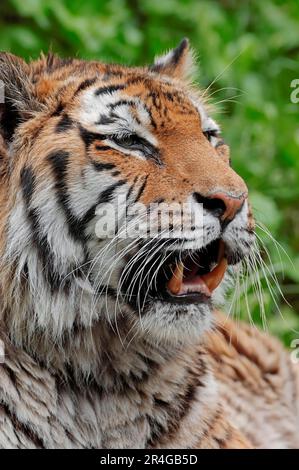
x,y
181,277
198,274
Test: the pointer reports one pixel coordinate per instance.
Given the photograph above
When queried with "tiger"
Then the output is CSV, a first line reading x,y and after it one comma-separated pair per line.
x,y
117,341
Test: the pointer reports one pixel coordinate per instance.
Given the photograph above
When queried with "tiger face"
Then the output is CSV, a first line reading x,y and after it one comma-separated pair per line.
x,y
83,145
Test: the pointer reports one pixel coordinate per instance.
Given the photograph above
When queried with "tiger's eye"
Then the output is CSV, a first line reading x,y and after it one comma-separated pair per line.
x,y
126,140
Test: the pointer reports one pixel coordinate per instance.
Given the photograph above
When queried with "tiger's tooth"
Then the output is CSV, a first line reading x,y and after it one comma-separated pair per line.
x,y
174,285
213,279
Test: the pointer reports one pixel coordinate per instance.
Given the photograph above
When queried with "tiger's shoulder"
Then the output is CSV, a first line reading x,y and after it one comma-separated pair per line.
x,y
258,383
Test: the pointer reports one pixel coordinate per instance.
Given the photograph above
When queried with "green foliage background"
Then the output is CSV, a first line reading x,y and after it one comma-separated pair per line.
x,y
252,46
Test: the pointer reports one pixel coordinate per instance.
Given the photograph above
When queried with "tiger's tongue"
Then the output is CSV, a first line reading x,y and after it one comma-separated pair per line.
x,y
204,284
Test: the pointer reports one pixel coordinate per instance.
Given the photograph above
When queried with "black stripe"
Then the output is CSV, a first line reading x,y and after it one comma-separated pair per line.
x,y
28,181
121,103
58,110
104,120
131,188
138,80
141,189
85,84
102,166
102,148
107,194
12,376
156,100
104,197
109,89
175,410
168,96
112,73
65,124
59,161
153,122
46,255
23,428
89,137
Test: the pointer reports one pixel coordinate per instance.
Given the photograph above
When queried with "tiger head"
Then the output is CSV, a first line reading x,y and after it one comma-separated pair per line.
x,y
82,145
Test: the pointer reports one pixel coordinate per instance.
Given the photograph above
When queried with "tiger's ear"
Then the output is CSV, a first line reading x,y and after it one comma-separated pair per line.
x,y
17,99
177,63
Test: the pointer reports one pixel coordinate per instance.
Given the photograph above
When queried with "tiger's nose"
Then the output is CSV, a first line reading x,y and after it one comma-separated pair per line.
x,y
222,205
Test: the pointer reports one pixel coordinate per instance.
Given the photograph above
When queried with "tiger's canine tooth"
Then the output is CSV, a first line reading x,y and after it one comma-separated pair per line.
x,y
175,283
213,279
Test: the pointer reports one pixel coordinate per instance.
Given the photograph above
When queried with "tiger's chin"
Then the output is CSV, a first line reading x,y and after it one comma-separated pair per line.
x,y
176,324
